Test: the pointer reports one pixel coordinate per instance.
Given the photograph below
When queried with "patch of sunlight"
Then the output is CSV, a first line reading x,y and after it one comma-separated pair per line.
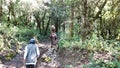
x,y
96,9
33,5
15,29
1,65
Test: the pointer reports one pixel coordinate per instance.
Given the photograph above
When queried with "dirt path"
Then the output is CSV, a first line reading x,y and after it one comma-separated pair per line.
x,y
65,59
17,62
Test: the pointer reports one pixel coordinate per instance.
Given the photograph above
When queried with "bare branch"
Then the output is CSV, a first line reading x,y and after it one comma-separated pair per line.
x,y
100,10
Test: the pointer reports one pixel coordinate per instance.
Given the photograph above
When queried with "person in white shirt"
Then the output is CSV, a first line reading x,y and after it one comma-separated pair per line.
x,y
31,54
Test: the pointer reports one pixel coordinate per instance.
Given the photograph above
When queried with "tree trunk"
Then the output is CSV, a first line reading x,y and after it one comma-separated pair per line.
x,y
43,28
12,10
72,20
47,27
0,11
99,15
100,10
56,24
84,21
63,26
38,21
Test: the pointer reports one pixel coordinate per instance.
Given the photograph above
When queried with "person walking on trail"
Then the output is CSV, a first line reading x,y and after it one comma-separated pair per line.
x,y
54,39
31,54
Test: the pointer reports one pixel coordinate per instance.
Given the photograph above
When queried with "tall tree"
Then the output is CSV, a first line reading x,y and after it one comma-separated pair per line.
x,y
84,20
1,11
36,15
72,20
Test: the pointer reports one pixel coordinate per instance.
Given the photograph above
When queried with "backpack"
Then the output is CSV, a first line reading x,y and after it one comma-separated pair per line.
x,y
53,37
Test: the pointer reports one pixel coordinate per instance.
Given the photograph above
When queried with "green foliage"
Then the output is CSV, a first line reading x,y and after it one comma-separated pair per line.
x,y
9,45
9,55
25,34
67,66
102,64
94,44
7,35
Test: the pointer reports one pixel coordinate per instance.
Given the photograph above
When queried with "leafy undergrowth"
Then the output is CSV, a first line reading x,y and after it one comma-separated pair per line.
x,y
73,58
82,58
9,45
7,54
90,59
90,53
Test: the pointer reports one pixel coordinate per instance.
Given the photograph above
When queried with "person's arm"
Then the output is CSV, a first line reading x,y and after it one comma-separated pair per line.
x,y
56,37
25,53
38,51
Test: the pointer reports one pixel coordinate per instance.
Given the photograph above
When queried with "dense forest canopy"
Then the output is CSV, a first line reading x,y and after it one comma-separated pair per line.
x,y
80,21
80,18
86,15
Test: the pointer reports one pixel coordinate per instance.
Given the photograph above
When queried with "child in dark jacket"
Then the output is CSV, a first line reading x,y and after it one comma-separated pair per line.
x,y
54,39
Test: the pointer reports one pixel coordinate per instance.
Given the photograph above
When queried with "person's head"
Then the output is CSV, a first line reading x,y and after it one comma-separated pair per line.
x,y
32,41
53,28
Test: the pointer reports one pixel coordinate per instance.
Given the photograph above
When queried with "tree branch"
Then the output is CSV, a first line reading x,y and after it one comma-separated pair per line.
x,y
100,10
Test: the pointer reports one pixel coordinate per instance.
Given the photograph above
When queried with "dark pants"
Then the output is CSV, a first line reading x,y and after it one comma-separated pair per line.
x,y
31,66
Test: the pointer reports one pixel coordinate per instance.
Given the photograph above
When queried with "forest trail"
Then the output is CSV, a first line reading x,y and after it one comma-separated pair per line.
x,y
65,58
17,62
